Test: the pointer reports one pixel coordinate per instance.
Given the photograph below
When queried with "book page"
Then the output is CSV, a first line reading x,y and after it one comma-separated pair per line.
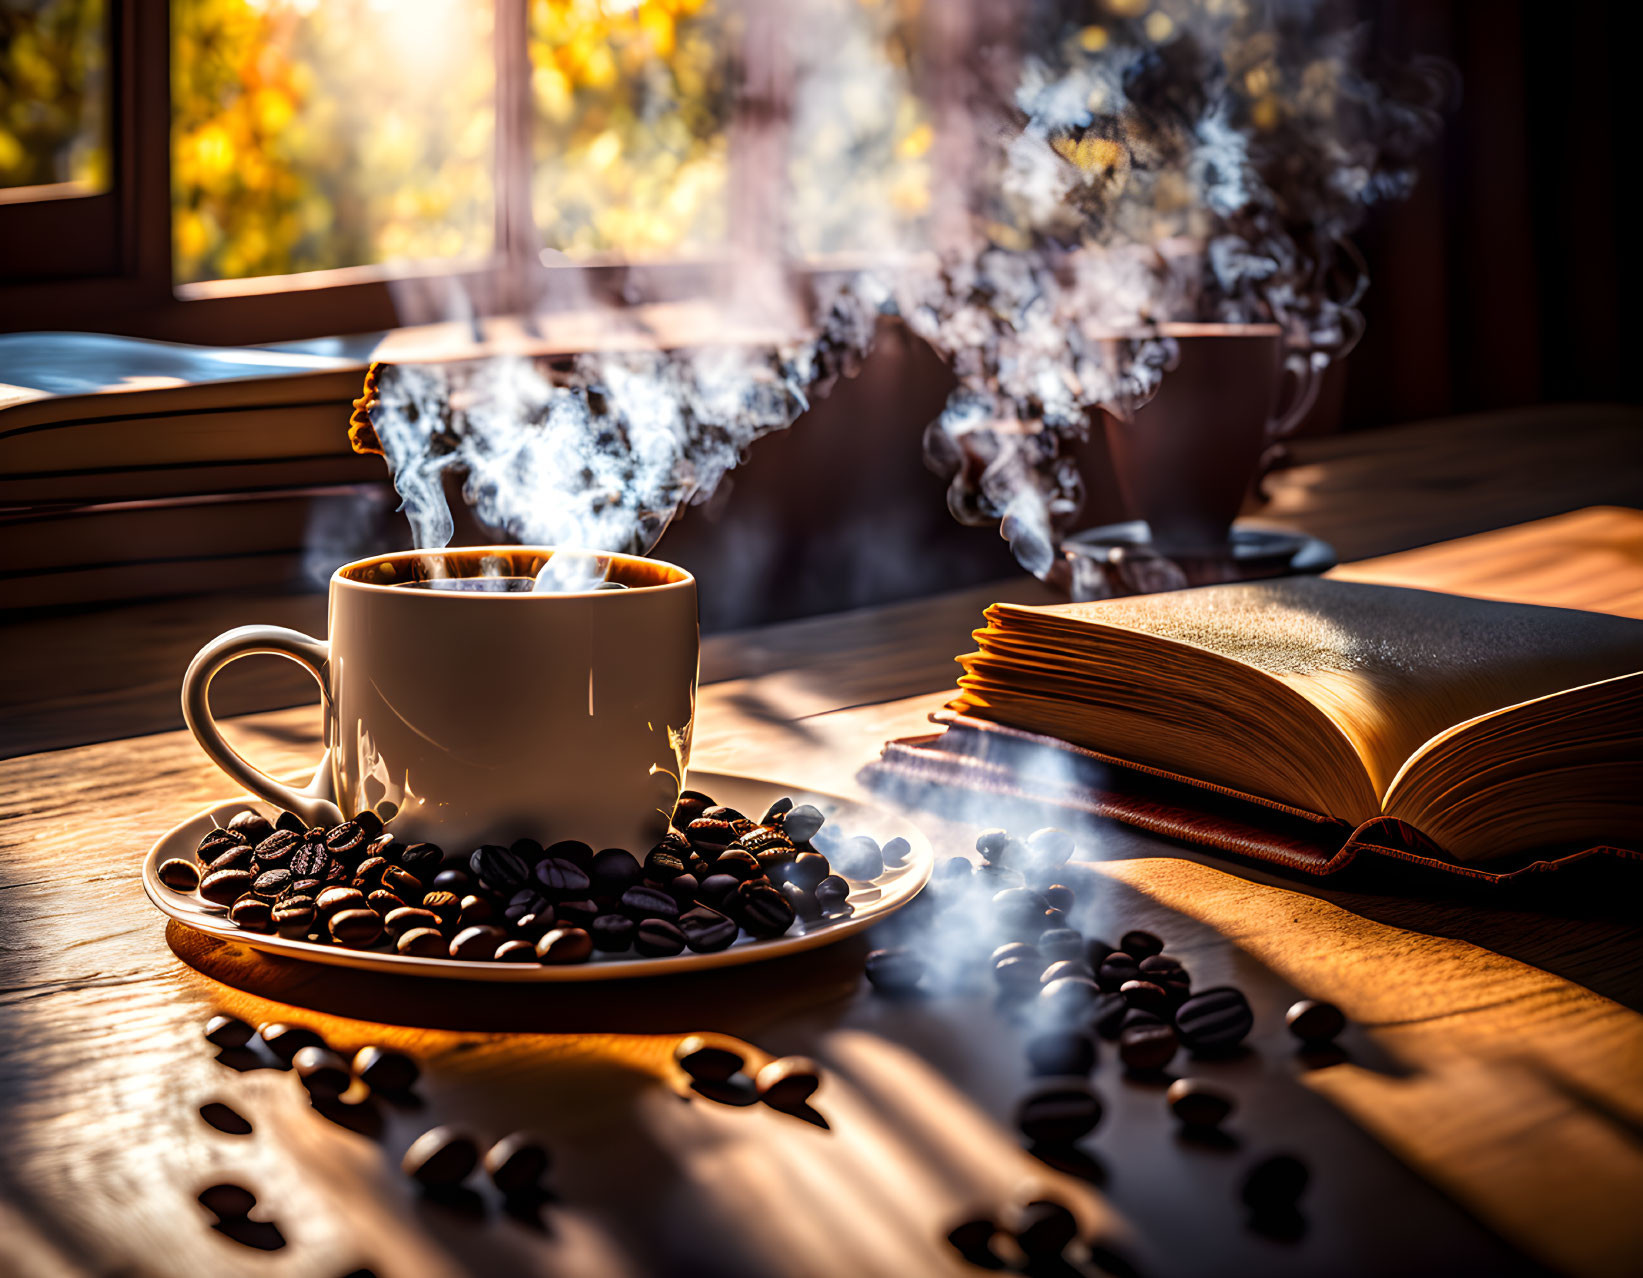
x,y
1391,667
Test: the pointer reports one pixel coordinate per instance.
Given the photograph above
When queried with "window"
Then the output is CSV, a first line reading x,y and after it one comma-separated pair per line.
x,y
251,170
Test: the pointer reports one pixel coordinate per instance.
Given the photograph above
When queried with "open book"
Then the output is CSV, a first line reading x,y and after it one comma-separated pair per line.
x,y
1491,728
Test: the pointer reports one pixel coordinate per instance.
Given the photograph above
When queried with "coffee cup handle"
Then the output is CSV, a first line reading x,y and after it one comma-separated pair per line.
x,y
313,805
1297,364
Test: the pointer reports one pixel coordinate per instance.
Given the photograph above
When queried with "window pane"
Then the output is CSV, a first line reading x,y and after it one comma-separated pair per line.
x,y
630,104
858,127
54,103
309,134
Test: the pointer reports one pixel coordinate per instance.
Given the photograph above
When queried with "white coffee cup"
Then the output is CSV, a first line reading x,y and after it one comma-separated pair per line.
x,y
471,717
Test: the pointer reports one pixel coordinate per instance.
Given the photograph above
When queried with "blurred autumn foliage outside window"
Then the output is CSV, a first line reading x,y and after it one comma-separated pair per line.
x,y
54,95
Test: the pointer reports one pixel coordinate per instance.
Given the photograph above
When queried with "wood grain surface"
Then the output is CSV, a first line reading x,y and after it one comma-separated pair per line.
x,y
1483,1115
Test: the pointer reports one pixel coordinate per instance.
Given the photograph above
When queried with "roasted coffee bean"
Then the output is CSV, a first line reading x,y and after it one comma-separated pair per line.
x,y
1314,1021
1198,1104
763,839
335,899
227,1202
1058,896
705,1061
231,857
290,821
743,865
1050,845
384,902
227,1031
644,902
516,952
527,900
1147,1047
802,822
612,933
1018,950
761,909
1145,995
527,850
423,860
367,876
1068,1000
218,840
384,1070
576,913
478,943
322,1072
808,869
285,1041
896,851
954,871
179,875
683,889
1063,943
1058,1113
251,825
458,882
715,887
1214,1020
440,1158
309,861
346,842
662,866
833,895
674,841
498,869
989,842
564,945
531,926
691,804
788,1083
1061,1052
402,920
251,913
1275,1184
1140,945
356,929
859,858
1017,976
710,836
1165,971
1115,969
658,938
615,870
805,905
1044,1228
562,880
723,812
707,931
294,915
517,1163
387,847
895,971
1064,967
445,905
224,887
1108,1015
776,811
403,884
270,884
422,942
369,823
1019,912
575,851
310,888
474,909
277,848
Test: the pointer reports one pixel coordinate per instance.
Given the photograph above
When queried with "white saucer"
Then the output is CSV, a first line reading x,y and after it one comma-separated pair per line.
x,y
871,901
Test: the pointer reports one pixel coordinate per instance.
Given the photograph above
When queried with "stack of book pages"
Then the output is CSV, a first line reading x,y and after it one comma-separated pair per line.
x,y
133,468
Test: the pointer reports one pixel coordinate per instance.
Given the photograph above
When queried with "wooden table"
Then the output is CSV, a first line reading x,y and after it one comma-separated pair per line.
x,y
1487,1116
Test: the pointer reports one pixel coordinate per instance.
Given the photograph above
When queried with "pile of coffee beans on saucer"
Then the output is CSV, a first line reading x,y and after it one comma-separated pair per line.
x,y
1007,925
715,876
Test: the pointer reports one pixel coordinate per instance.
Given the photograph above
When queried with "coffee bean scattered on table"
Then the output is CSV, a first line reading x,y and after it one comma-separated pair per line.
x,y
322,1072
1044,1228
441,1158
384,1070
705,1061
1214,1021
227,1031
564,945
895,971
285,1041
1058,1113
1147,1047
1197,1103
517,1163
1314,1021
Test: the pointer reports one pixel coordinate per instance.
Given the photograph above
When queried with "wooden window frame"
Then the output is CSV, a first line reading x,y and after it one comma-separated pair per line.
x,y
103,262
